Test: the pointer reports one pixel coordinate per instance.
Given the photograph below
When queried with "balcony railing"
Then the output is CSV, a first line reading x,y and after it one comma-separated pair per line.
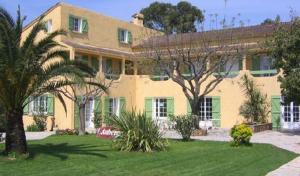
x,y
112,76
159,77
262,73
228,74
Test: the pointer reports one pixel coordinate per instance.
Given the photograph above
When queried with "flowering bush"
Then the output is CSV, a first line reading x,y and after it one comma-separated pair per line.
x,y
241,135
184,125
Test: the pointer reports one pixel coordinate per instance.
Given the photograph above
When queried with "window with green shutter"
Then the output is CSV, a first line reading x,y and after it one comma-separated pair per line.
x,y
241,63
122,105
50,104
71,23
78,24
106,106
124,36
97,107
170,106
276,111
148,107
129,37
216,108
188,107
85,26
26,108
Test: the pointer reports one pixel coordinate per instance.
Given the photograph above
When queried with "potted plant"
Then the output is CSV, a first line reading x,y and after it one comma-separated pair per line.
x,y
255,109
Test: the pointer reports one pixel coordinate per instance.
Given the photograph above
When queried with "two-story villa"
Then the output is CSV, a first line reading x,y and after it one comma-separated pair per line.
x,y
108,45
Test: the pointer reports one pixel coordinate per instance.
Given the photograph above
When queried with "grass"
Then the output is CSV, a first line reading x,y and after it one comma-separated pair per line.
x,y
90,156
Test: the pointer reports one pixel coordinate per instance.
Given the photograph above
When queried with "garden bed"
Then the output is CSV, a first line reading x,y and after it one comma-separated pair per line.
x,y
260,127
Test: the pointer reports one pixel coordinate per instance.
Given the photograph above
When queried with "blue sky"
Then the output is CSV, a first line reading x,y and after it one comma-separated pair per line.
x,y
252,11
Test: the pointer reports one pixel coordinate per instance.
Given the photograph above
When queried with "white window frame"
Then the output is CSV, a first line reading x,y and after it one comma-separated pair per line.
x,y
157,111
114,109
126,32
49,26
79,24
266,64
291,114
89,115
204,110
37,102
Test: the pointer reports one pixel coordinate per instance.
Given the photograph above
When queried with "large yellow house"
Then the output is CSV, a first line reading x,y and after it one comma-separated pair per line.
x,y
107,44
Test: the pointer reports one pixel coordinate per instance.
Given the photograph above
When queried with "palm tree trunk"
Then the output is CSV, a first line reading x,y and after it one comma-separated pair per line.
x,y
15,139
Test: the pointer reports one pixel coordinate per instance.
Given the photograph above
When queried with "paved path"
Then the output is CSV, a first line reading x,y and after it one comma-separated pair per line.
x,y
285,141
37,135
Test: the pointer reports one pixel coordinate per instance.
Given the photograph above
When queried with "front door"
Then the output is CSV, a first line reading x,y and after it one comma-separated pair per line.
x,y
290,119
89,113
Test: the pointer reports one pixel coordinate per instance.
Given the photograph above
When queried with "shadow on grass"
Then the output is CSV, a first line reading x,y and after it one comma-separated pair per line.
x,y
63,150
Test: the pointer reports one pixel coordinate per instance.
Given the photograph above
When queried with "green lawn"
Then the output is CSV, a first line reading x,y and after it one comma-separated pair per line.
x,y
88,155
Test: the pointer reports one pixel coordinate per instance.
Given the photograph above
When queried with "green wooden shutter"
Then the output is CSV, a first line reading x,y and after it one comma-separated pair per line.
x,y
71,23
50,104
255,63
26,108
129,37
106,106
122,105
148,107
188,107
97,107
216,119
170,106
240,63
275,112
46,26
95,63
76,114
85,26
119,34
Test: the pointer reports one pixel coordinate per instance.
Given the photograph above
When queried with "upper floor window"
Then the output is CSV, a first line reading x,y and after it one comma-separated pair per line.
x,y
48,26
77,24
124,36
262,65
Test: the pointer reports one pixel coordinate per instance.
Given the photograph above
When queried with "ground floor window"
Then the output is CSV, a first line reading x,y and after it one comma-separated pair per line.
x,y
113,108
205,109
160,107
39,105
290,112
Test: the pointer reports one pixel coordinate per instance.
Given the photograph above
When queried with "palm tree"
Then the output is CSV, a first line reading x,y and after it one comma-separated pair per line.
x,y
31,68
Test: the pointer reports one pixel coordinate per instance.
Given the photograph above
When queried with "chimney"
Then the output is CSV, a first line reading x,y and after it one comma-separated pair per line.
x,y
138,19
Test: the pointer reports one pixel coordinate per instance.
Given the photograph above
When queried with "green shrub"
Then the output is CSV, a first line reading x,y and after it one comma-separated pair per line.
x,y
97,120
33,128
138,133
241,135
184,125
41,121
67,132
256,106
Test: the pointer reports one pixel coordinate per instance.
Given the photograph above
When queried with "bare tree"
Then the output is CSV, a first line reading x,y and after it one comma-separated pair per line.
x,y
197,62
80,94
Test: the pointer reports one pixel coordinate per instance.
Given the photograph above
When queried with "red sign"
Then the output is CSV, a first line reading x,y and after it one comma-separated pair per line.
x,y
107,132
